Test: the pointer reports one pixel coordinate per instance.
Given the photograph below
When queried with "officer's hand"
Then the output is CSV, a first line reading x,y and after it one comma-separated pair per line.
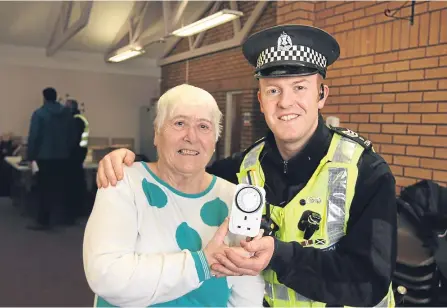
x,y
259,251
110,169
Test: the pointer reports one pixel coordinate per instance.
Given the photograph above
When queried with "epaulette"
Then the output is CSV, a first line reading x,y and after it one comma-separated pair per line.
x,y
345,132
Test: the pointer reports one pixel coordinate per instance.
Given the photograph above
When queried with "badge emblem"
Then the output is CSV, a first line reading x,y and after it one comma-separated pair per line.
x,y
307,243
284,42
320,242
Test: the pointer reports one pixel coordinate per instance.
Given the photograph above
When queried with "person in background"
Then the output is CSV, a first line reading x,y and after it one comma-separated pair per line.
x,y
78,187
150,240
50,142
331,223
7,148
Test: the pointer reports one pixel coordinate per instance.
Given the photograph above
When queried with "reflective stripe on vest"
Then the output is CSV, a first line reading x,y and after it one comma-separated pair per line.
x,y
328,192
280,292
85,133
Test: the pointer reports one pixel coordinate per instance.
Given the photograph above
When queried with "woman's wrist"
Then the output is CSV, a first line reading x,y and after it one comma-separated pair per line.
x,y
202,266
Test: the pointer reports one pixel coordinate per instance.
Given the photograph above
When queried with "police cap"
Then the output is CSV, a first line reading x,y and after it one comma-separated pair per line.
x,y
291,50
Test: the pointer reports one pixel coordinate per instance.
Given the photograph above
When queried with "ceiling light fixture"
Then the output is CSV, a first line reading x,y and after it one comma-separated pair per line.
x,y
208,22
126,53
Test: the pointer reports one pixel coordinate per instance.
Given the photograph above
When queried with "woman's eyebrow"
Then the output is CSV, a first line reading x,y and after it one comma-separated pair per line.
x,y
178,117
189,118
205,120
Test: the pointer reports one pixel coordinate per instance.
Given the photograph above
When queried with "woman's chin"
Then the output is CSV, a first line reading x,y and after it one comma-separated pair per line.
x,y
188,168
191,164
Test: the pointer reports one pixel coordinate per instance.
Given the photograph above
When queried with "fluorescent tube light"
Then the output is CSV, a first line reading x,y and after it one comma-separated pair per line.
x,y
208,22
126,53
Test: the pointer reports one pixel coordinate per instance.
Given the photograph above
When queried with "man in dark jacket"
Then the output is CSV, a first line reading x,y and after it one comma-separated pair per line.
x,y
50,142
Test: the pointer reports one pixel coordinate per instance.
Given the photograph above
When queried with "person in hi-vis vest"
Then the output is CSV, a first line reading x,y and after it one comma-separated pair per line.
x,y
78,189
82,128
331,220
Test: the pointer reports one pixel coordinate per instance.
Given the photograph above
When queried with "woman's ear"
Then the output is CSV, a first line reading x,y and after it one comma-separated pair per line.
x,y
155,136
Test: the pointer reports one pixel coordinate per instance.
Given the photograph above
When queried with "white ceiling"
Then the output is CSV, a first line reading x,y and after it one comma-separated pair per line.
x,y
31,23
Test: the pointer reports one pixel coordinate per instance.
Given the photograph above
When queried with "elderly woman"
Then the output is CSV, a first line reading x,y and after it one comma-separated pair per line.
x,y
150,240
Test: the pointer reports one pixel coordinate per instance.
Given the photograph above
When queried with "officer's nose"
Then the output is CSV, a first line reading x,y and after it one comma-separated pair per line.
x,y
286,99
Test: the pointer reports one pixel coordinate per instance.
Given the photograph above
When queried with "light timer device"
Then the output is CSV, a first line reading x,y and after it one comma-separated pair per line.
x,y
246,210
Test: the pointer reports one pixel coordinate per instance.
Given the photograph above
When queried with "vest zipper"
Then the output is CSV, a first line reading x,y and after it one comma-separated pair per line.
x,y
285,166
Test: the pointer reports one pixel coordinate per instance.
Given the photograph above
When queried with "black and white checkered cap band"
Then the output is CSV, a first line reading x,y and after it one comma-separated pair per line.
x,y
295,53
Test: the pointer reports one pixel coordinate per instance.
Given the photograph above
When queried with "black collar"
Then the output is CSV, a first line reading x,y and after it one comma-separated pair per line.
x,y
307,159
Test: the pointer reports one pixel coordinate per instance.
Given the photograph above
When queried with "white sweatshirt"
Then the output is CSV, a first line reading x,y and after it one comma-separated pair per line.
x,y
143,245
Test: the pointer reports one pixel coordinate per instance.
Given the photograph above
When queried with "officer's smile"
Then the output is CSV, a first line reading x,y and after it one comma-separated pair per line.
x,y
288,117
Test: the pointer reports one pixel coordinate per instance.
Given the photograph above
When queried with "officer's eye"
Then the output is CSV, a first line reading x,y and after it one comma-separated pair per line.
x,y
272,91
300,88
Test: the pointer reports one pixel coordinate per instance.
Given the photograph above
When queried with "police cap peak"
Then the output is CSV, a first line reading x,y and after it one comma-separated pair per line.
x,y
291,50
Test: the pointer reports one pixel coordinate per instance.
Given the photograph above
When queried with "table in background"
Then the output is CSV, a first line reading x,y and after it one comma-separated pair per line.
x,y
23,193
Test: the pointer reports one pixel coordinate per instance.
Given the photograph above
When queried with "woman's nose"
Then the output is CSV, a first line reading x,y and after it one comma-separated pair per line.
x,y
191,134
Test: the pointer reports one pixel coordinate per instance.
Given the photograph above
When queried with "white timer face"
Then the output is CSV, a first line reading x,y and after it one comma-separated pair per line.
x,y
249,199
246,210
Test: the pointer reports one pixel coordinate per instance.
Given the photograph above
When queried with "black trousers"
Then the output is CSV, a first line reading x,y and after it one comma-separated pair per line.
x,y
52,185
77,190
5,178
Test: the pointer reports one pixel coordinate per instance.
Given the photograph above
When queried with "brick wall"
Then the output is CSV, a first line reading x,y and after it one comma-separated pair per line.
x,y
390,83
224,71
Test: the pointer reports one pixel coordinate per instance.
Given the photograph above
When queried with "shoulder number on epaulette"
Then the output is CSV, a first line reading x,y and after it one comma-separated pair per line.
x,y
367,144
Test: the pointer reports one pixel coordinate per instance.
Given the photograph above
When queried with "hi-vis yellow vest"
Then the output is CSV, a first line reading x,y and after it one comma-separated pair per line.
x,y
329,192
85,133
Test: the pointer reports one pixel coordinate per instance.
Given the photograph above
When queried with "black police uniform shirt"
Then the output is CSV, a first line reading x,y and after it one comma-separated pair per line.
x,y
358,272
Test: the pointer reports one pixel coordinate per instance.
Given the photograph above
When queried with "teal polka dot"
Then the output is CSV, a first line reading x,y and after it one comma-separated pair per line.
x,y
188,238
101,302
154,194
214,212
212,293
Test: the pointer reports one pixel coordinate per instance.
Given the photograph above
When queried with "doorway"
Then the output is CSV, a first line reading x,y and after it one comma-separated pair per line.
x,y
233,123
147,117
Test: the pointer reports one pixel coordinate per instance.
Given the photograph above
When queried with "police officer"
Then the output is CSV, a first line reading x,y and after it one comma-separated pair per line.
x,y
331,215
82,128
78,185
